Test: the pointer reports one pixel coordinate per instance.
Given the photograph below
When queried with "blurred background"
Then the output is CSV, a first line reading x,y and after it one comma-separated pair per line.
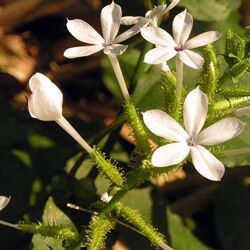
x,y
39,160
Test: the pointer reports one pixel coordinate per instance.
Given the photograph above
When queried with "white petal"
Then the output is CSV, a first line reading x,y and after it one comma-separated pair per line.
x,y
84,32
172,5
170,154
156,13
45,102
161,124
135,29
164,67
115,49
159,55
110,20
82,51
242,112
106,197
4,202
182,26
206,164
195,111
191,59
157,36
202,39
220,131
131,20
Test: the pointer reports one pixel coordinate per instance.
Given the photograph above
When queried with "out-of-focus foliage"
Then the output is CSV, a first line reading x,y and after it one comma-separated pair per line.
x,y
38,160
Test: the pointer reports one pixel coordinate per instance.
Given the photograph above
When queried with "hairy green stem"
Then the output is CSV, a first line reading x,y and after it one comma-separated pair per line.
x,y
107,168
235,152
135,218
99,228
230,103
138,127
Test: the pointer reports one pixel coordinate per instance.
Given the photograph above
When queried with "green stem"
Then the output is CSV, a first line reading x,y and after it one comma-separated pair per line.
x,y
139,130
119,76
230,103
235,152
235,92
135,218
107,168
99,228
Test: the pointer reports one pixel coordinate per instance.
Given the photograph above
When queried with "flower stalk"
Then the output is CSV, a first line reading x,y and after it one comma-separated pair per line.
x,y
62,122
7,224
119,76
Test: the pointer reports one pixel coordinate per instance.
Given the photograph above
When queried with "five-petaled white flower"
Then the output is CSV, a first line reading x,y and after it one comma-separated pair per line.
x,y
191,140
168,47
45,102
109,42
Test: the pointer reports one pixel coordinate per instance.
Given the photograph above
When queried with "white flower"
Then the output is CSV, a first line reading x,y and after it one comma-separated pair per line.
x,y
4,201
106,197
109,42
151,17
168,47
45,102
191,140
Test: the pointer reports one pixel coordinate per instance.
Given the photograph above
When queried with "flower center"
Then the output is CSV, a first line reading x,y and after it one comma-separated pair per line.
x,y
178,48
107,43
191,141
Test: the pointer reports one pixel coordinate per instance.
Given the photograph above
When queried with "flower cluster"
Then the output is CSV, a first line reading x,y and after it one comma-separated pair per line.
x,y
45,103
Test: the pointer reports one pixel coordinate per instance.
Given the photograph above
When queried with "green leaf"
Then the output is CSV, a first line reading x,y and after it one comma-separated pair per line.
x,y
52,215
212,10
180,236
143,195
39,141
232,215
148,93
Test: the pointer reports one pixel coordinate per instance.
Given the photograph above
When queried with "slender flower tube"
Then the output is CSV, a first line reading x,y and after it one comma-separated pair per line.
x,y
168,47
45,103
191,140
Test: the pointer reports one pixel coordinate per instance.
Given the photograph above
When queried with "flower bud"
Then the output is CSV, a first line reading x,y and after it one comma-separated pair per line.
x,y
4,202
45,102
